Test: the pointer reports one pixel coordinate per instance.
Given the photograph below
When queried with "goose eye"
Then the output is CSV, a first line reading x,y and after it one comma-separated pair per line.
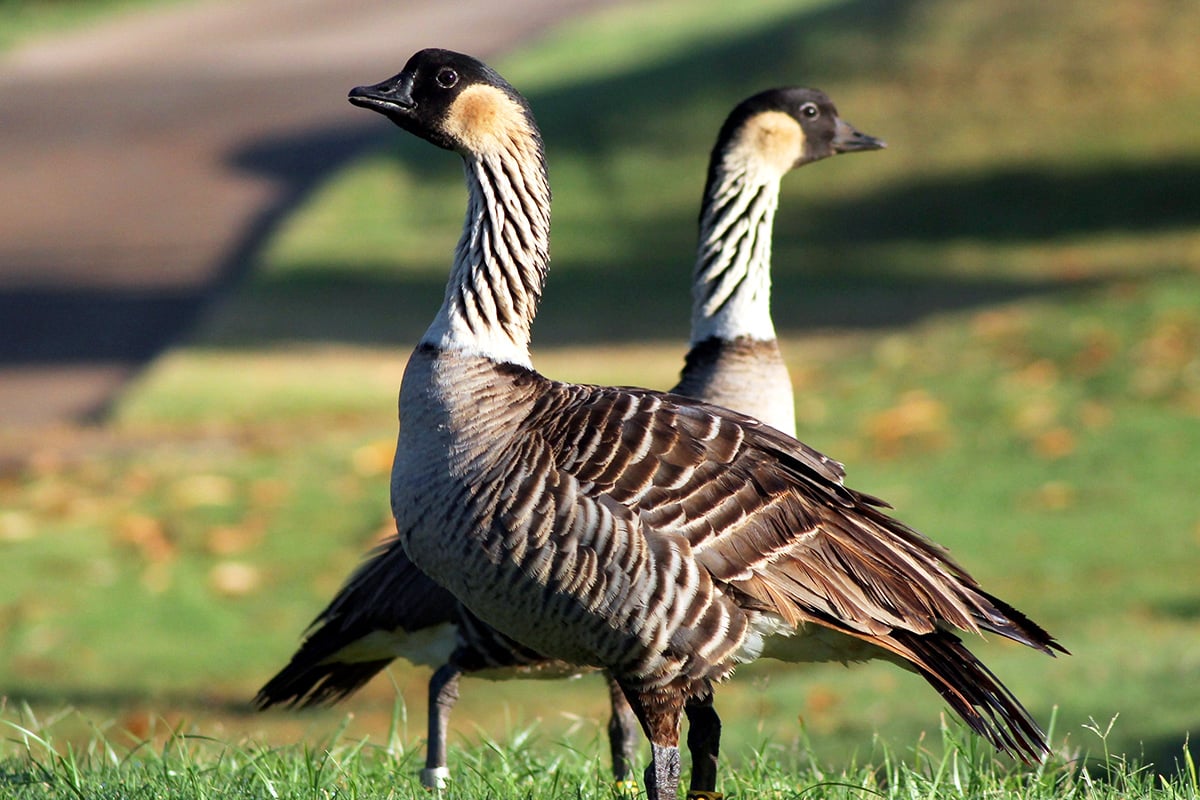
x,y
447,78
810,111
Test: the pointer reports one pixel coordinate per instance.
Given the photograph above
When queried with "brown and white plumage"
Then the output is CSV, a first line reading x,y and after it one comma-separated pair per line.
x,y
659,538
734,360
389,609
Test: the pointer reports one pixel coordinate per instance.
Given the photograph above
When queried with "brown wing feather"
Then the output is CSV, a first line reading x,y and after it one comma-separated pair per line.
x,y
766,513
774,526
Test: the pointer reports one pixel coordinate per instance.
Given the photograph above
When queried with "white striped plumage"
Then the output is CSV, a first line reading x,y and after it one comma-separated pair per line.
x,y
732,282
500,238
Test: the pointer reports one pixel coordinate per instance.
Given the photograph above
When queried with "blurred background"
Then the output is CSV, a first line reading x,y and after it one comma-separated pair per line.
x,y
212,270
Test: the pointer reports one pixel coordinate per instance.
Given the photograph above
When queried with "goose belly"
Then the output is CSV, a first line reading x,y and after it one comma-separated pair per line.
x,y
449,490
526,549
515,603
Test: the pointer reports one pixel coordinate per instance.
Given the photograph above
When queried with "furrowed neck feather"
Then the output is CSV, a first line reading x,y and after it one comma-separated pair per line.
x,y
731,287
501,259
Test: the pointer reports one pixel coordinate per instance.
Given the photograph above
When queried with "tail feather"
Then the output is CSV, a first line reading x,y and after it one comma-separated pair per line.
x,y
974,693
303,684
1012,624
387,608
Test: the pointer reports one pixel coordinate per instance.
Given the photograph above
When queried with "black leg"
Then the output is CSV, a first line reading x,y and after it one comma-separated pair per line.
x,y
662,776
443,694
704,743
622,735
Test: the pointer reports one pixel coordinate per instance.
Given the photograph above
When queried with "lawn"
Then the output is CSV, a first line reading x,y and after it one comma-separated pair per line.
x,y
995,323
187,766
28,19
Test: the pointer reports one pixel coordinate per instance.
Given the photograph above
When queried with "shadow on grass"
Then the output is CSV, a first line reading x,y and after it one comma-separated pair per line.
x,y
679,103
1022,204
1180,608
676,103
118,700
586,307
1164,755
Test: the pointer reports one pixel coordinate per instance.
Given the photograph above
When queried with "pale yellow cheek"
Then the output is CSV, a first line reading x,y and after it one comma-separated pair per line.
x,y
773,139
485,119
474,113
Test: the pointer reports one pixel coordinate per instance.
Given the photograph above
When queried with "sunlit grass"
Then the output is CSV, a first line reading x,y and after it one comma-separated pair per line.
x,y
235,524
995,323
26,19
179,762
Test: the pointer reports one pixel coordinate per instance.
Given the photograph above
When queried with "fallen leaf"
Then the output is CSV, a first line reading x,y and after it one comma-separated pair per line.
x,y
137,482
1035,414
1097,352
203,490
1055,495
917,420
374,458
147,535
1054,443
1040,374
234,578
269,492
138,724
820,700
228,540
1171,344
1000,323
1094,415
1153,381
52,497
16,526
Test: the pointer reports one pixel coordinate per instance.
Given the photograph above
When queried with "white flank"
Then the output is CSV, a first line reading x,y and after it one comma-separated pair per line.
x,y
427,647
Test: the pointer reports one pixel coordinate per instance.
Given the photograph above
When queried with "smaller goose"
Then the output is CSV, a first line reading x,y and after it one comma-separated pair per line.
x,y
388,608
734,360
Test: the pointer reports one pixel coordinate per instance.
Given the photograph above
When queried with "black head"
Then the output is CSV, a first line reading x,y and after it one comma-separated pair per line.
x,y
790,127
452,100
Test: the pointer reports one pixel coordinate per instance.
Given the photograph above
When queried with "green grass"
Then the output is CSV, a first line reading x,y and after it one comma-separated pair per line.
x,y
995,323
26,19
178,763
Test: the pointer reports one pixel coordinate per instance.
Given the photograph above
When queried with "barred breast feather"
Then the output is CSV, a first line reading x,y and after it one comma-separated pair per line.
x,y
659,536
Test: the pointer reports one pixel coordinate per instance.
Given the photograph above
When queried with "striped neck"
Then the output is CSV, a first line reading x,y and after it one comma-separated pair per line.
x,y
731,285
501,260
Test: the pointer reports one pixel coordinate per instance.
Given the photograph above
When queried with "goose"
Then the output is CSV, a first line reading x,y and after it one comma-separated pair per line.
x,y
660,538
734,358
389,608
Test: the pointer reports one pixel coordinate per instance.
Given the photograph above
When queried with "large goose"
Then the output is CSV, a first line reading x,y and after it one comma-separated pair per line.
x,y
660,538
390,609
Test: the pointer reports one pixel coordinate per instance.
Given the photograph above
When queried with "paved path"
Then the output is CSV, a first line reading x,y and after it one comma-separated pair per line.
x,y
143,163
